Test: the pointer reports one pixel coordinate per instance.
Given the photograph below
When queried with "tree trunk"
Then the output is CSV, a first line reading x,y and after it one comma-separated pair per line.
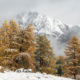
x,y
59,75
74,76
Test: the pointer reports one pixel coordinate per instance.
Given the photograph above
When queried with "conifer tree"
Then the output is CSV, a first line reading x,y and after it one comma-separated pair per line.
x,y
7,38
27,44
4,41
44,55
13,35
14,27
72,52
59,65
6,26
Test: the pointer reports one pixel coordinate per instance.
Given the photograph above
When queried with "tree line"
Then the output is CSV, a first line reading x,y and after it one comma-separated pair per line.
x,y
22,48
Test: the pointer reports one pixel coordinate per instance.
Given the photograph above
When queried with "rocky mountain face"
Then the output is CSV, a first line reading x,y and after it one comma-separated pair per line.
x,y
57,32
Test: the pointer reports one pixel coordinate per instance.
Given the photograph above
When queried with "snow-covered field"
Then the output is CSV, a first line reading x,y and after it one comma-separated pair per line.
x,y
29,76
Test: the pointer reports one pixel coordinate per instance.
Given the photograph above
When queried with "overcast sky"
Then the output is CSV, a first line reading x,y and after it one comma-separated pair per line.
x,y
68,11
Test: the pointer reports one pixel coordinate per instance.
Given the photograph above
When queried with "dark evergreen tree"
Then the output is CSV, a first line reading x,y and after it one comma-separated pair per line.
x,y
44,55
59,65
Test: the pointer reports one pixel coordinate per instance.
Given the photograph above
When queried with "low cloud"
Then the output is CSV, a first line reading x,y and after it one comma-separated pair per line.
x,y
66,10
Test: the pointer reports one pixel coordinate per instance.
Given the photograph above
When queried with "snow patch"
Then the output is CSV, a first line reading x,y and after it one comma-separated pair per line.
x,y
29,76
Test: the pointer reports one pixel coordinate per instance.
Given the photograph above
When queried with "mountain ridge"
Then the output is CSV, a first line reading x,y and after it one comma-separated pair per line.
x,y
57,32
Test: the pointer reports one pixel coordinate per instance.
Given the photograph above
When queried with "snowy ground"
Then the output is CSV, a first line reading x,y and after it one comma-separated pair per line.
x,y
29,76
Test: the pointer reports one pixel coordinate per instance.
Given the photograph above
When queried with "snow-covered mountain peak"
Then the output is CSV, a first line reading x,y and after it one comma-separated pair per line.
x,y
58,25
57,21
43,24
33,13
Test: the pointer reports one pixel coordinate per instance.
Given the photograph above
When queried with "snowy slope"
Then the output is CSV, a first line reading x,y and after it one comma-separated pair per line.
x,y
29,76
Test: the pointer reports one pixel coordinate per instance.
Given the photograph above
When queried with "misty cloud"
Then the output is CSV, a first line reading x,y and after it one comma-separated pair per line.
x,y
66,10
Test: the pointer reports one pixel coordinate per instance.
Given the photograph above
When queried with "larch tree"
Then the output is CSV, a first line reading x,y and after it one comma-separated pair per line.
x,y
72,52
4,41
13,35
44,55
27,44
15,42
4,35
8,37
